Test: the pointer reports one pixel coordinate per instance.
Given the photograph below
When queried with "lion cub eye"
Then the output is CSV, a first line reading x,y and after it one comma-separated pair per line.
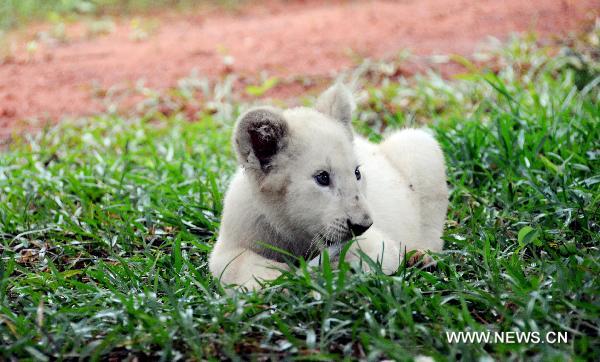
x,y
357,173
322,178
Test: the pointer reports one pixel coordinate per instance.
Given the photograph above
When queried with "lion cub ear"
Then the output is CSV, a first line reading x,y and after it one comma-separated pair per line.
x,y
337,103
258,136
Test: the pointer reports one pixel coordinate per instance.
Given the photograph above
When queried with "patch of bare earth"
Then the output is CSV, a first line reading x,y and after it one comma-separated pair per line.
x,y
296,38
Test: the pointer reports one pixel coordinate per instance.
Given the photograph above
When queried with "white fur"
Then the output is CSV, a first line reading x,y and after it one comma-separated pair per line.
x,y
402,190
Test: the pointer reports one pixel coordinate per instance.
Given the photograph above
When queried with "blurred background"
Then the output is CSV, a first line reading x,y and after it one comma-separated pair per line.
x,y
115,154
70,58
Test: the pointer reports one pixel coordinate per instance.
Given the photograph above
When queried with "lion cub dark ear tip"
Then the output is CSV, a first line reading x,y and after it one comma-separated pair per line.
x,y
261,132
257,117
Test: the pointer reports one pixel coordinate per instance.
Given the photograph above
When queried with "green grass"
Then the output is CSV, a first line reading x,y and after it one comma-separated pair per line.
x,y
106,225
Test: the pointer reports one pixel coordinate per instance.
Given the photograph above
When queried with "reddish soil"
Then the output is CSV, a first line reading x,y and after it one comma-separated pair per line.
x,y
296,38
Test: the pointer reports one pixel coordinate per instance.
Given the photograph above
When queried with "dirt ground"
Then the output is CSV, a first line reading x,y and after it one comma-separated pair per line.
x,y
284,39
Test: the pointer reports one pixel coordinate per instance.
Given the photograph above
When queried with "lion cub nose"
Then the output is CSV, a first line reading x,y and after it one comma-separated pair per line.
x,y
359,229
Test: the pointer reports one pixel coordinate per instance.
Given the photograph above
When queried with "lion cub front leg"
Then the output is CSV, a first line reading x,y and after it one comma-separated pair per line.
x,y
244,268
377,246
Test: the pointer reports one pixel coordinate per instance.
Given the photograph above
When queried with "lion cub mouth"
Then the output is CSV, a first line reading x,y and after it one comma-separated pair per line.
x,y
330,243
333,251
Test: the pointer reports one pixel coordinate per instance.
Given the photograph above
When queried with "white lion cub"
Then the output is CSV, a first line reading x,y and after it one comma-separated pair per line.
x,y
307,182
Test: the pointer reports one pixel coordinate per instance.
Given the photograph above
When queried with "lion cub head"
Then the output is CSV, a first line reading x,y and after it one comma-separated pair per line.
x,y
301,163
